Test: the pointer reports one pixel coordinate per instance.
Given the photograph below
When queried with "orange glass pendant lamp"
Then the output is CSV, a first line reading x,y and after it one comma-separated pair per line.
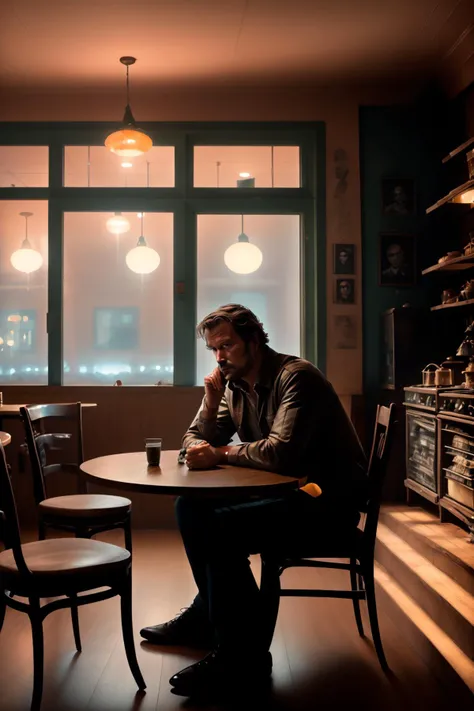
x,y
129,141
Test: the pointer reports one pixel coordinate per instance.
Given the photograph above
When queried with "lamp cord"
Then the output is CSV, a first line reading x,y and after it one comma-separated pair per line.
x,y
88,166
242,224
273,172
218,163
128,87
26,227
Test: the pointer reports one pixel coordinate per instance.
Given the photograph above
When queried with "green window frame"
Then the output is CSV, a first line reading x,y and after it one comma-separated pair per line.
x,y
185,202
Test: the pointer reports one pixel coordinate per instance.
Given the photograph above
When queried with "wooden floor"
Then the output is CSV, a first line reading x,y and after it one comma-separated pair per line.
x,y
319,660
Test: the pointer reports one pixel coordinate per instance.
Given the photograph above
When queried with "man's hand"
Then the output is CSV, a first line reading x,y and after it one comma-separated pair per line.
x,y
204,456
214,386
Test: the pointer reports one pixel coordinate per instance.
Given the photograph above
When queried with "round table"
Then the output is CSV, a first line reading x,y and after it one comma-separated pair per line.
x,y
5,438
130,471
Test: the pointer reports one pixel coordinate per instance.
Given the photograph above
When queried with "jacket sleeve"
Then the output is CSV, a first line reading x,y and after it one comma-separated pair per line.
x,y
293,427
217,432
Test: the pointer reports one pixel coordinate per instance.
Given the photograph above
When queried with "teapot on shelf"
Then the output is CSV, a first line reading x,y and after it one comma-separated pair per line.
x,y
469,373
467,291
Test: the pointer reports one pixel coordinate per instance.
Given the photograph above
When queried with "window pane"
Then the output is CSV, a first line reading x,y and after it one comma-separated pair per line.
x,y
24,167
246,166
154,169
23,295
118,324
272,291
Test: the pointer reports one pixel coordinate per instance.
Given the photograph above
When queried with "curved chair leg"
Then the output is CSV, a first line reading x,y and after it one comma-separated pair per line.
x,y
75,622
374,622
127,631
38,652
355,600
127,530
270,597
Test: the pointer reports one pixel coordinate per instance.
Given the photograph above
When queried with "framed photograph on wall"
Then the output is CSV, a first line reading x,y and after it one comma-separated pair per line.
x,y
345,332
397,259
344,291
398,196
344,259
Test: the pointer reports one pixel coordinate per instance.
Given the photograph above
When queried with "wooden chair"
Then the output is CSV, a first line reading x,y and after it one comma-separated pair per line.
x,y
60,568
359,549
84,514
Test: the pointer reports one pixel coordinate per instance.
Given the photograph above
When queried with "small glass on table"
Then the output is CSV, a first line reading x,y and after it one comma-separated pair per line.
x,y
153,451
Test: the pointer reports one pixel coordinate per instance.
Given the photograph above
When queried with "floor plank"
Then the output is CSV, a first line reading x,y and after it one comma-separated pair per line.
x,y
319,660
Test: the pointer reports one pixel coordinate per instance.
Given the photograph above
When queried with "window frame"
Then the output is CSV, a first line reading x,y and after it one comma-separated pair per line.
x,y
185,202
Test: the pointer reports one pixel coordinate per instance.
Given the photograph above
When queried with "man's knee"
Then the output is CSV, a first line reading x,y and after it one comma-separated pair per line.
x,y
191,510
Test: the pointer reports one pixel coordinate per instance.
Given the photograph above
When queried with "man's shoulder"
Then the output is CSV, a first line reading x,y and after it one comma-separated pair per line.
x,y
295,366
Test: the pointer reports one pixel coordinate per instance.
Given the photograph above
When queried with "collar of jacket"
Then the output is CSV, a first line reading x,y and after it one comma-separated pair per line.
x,y
266,376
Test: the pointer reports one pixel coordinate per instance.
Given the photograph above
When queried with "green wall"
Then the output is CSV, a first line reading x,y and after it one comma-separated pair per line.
x,y
400,142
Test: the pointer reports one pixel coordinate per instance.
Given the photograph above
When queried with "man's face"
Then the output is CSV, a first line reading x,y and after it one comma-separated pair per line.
x,y
345,289
234,357
395,255
399,194
343,257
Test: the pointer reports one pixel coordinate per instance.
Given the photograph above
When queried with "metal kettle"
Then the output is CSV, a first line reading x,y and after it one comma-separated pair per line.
x,y
443,376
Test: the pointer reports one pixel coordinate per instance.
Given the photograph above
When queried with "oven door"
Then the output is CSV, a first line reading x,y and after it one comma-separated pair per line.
x,y
421,449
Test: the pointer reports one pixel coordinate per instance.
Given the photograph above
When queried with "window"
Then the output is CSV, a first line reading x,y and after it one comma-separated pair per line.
x,y
97,167
23,296
23,166
116,329
247,167
118,324
272,291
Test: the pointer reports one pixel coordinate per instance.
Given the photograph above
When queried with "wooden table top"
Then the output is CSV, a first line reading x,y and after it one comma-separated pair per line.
x,y
5,438
130,471
13,410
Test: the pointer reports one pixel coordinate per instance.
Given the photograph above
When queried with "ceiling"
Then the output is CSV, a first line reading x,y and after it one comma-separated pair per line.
x,y
71,44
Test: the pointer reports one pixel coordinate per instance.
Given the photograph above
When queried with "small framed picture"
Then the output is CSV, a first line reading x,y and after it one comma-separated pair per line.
x,y
397,260
345,332
344,291
344,259
398,196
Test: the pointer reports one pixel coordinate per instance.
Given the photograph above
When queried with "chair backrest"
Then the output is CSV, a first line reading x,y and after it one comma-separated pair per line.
x,y
8,513
379,455
40,442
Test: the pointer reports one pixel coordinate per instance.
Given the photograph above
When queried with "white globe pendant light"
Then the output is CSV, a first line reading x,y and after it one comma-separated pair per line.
x,y
118,224
142,259
243,257
26,259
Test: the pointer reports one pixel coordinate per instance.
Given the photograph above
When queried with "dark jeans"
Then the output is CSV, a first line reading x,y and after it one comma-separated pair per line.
x,y
220,535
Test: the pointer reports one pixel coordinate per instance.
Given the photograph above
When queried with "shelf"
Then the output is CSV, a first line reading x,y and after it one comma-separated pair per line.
x,y
458,150
455,196
456,264
468,302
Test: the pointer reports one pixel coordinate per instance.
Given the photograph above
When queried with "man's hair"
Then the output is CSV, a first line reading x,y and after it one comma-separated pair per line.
x,y
243,321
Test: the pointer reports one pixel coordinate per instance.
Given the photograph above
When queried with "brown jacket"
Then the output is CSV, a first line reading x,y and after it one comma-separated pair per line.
x,y
302,429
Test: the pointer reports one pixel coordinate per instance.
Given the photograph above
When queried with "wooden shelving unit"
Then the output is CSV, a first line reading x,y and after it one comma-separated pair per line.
x,y
455,196
463,147
453,265
456,304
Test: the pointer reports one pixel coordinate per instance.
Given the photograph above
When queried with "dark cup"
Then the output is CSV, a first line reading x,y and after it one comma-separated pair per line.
x,y
153,451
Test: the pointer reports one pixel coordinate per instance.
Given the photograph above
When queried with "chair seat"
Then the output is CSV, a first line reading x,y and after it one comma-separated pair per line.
x,y
66,557
85,506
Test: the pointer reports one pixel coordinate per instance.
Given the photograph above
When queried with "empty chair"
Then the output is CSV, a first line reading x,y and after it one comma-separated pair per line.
x,y
84,514
359,550
60,568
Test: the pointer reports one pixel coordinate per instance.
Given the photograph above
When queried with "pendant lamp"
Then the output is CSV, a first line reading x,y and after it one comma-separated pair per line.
x,y
118,224
142,259
129,141
243,257
26,259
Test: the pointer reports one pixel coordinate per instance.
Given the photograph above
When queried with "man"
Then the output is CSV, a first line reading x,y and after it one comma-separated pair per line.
x,y
345,294
290,421
399,206
398,271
